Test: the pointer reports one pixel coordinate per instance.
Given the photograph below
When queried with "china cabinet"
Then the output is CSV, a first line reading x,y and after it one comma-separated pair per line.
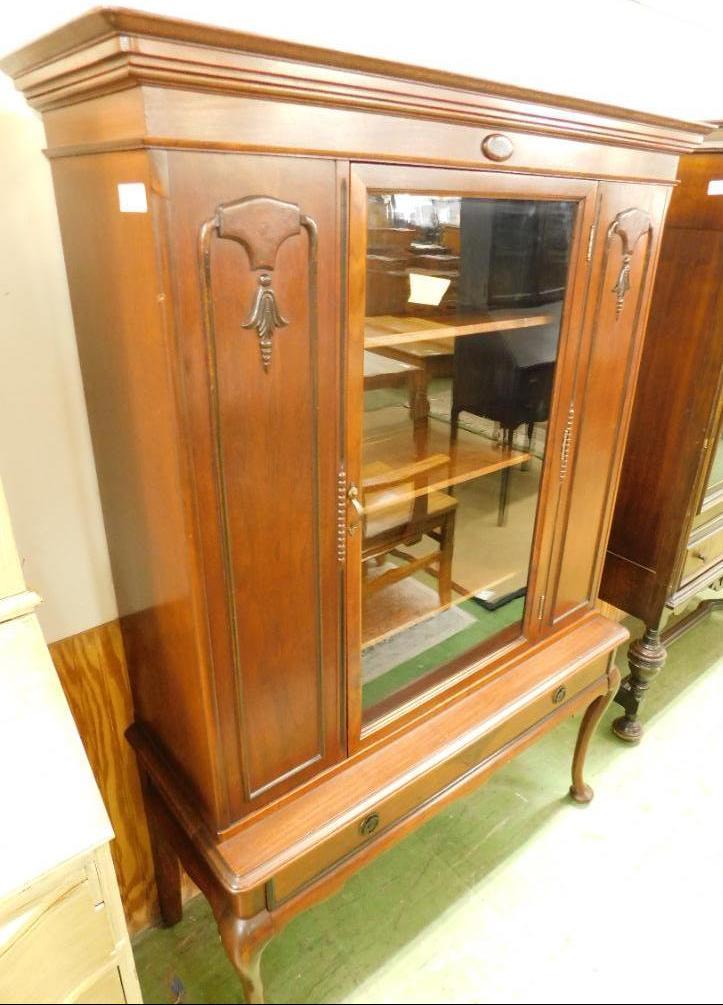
x,y
353,581
665,553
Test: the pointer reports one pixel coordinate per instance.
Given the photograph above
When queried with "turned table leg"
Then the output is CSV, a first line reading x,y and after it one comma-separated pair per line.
x,y
580,791
646,658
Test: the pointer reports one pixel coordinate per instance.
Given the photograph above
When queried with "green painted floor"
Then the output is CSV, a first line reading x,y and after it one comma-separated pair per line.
x,y
514,894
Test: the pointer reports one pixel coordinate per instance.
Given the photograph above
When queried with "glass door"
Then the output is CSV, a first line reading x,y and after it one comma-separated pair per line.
x,y
713,493
457,305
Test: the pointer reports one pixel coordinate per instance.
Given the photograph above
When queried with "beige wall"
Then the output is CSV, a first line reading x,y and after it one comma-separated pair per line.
x,y
46,462
656,55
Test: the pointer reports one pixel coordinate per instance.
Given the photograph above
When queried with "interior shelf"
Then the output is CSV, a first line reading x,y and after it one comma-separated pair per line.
x,y
392,329
393,457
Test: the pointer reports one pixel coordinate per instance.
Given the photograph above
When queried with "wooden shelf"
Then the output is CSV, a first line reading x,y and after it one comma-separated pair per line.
x,y
392,329
470,458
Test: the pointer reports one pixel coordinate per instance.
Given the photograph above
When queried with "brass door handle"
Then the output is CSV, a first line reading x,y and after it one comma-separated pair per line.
x,y
353,499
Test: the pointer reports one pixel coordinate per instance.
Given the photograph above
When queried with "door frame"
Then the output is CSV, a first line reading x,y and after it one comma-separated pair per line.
x,y
368,177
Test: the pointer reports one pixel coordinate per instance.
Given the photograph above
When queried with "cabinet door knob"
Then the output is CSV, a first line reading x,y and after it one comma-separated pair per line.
x,y
497,147
369,824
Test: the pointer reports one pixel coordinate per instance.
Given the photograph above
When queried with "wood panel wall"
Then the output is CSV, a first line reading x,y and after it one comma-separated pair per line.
x,y
92,669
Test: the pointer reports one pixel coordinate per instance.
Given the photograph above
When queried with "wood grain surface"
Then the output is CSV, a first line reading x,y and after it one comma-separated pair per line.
x,y
92,669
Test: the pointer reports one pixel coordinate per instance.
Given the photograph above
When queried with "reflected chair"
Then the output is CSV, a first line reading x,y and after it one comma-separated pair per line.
x,y
398,511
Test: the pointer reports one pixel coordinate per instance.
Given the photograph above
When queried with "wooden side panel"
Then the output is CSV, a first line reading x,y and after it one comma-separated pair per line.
x,y
121,307
258,330
624,257
679,375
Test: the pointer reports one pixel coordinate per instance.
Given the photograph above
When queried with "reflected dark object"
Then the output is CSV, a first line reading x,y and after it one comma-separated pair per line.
x,y
506,377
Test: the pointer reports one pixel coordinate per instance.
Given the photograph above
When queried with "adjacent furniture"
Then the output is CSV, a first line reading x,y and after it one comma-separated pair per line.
x,y
218,194
63,936
666,545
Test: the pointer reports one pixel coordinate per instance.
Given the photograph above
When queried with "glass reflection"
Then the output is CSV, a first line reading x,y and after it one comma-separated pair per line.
x,y
714,485
463,306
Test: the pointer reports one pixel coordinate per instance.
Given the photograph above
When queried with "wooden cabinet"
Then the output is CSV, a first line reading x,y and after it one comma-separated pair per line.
x,y
666,544
63,936
353,581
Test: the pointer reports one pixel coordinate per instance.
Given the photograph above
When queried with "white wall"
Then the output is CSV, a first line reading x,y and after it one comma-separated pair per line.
x,y
46,462
656,55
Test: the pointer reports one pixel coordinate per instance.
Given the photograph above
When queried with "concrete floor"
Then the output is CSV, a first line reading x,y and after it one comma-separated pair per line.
x,y
514,894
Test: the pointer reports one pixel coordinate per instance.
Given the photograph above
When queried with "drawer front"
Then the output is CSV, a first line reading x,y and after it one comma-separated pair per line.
x,y
389,811
54,943
107,989
703,554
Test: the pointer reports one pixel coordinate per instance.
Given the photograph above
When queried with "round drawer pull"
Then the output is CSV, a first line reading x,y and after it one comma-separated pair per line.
x,y
497,147
560,694
369,824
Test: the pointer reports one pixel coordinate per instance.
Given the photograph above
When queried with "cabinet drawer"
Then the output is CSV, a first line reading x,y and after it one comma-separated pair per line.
x,y
702,554
107,989
54,943
430,782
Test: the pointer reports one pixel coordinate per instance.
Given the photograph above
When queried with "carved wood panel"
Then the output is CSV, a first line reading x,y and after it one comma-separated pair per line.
x,y
262,361
629,223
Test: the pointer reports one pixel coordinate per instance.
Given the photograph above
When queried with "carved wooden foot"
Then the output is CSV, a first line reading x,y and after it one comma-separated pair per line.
x,y
244,940
580,790
646,658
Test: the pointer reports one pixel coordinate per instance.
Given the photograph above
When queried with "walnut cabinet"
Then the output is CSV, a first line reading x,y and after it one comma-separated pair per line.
x,y
358,342
664,562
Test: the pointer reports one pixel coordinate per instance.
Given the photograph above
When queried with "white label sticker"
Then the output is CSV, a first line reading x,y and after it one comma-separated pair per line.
x,y
132,197
715,186
427,290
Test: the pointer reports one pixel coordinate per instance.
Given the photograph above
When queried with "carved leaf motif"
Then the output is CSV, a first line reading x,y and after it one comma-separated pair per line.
x,y
265,317
630,226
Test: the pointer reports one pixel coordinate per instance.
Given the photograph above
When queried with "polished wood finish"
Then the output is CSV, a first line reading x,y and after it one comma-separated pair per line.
x,y
222,340
666,542
260,878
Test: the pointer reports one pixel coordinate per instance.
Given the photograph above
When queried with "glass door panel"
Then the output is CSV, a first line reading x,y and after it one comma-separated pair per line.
x,y
464,298
714,485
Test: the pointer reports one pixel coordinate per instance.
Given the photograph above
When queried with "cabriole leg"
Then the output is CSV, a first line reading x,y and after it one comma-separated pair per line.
x,y
244,940
580,791
646,658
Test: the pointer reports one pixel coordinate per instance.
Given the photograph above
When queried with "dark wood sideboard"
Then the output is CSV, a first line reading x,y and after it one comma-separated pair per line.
x,y
666,544
342,609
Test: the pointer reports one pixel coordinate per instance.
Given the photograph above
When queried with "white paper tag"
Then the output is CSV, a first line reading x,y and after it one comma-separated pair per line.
x,y
427,290
132,197
715,186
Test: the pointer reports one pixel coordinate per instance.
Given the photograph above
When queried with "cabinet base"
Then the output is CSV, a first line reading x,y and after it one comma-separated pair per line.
x,y
255,886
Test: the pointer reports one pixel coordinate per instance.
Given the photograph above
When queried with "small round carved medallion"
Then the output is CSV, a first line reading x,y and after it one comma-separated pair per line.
x,y
369,824
560,694
497,147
